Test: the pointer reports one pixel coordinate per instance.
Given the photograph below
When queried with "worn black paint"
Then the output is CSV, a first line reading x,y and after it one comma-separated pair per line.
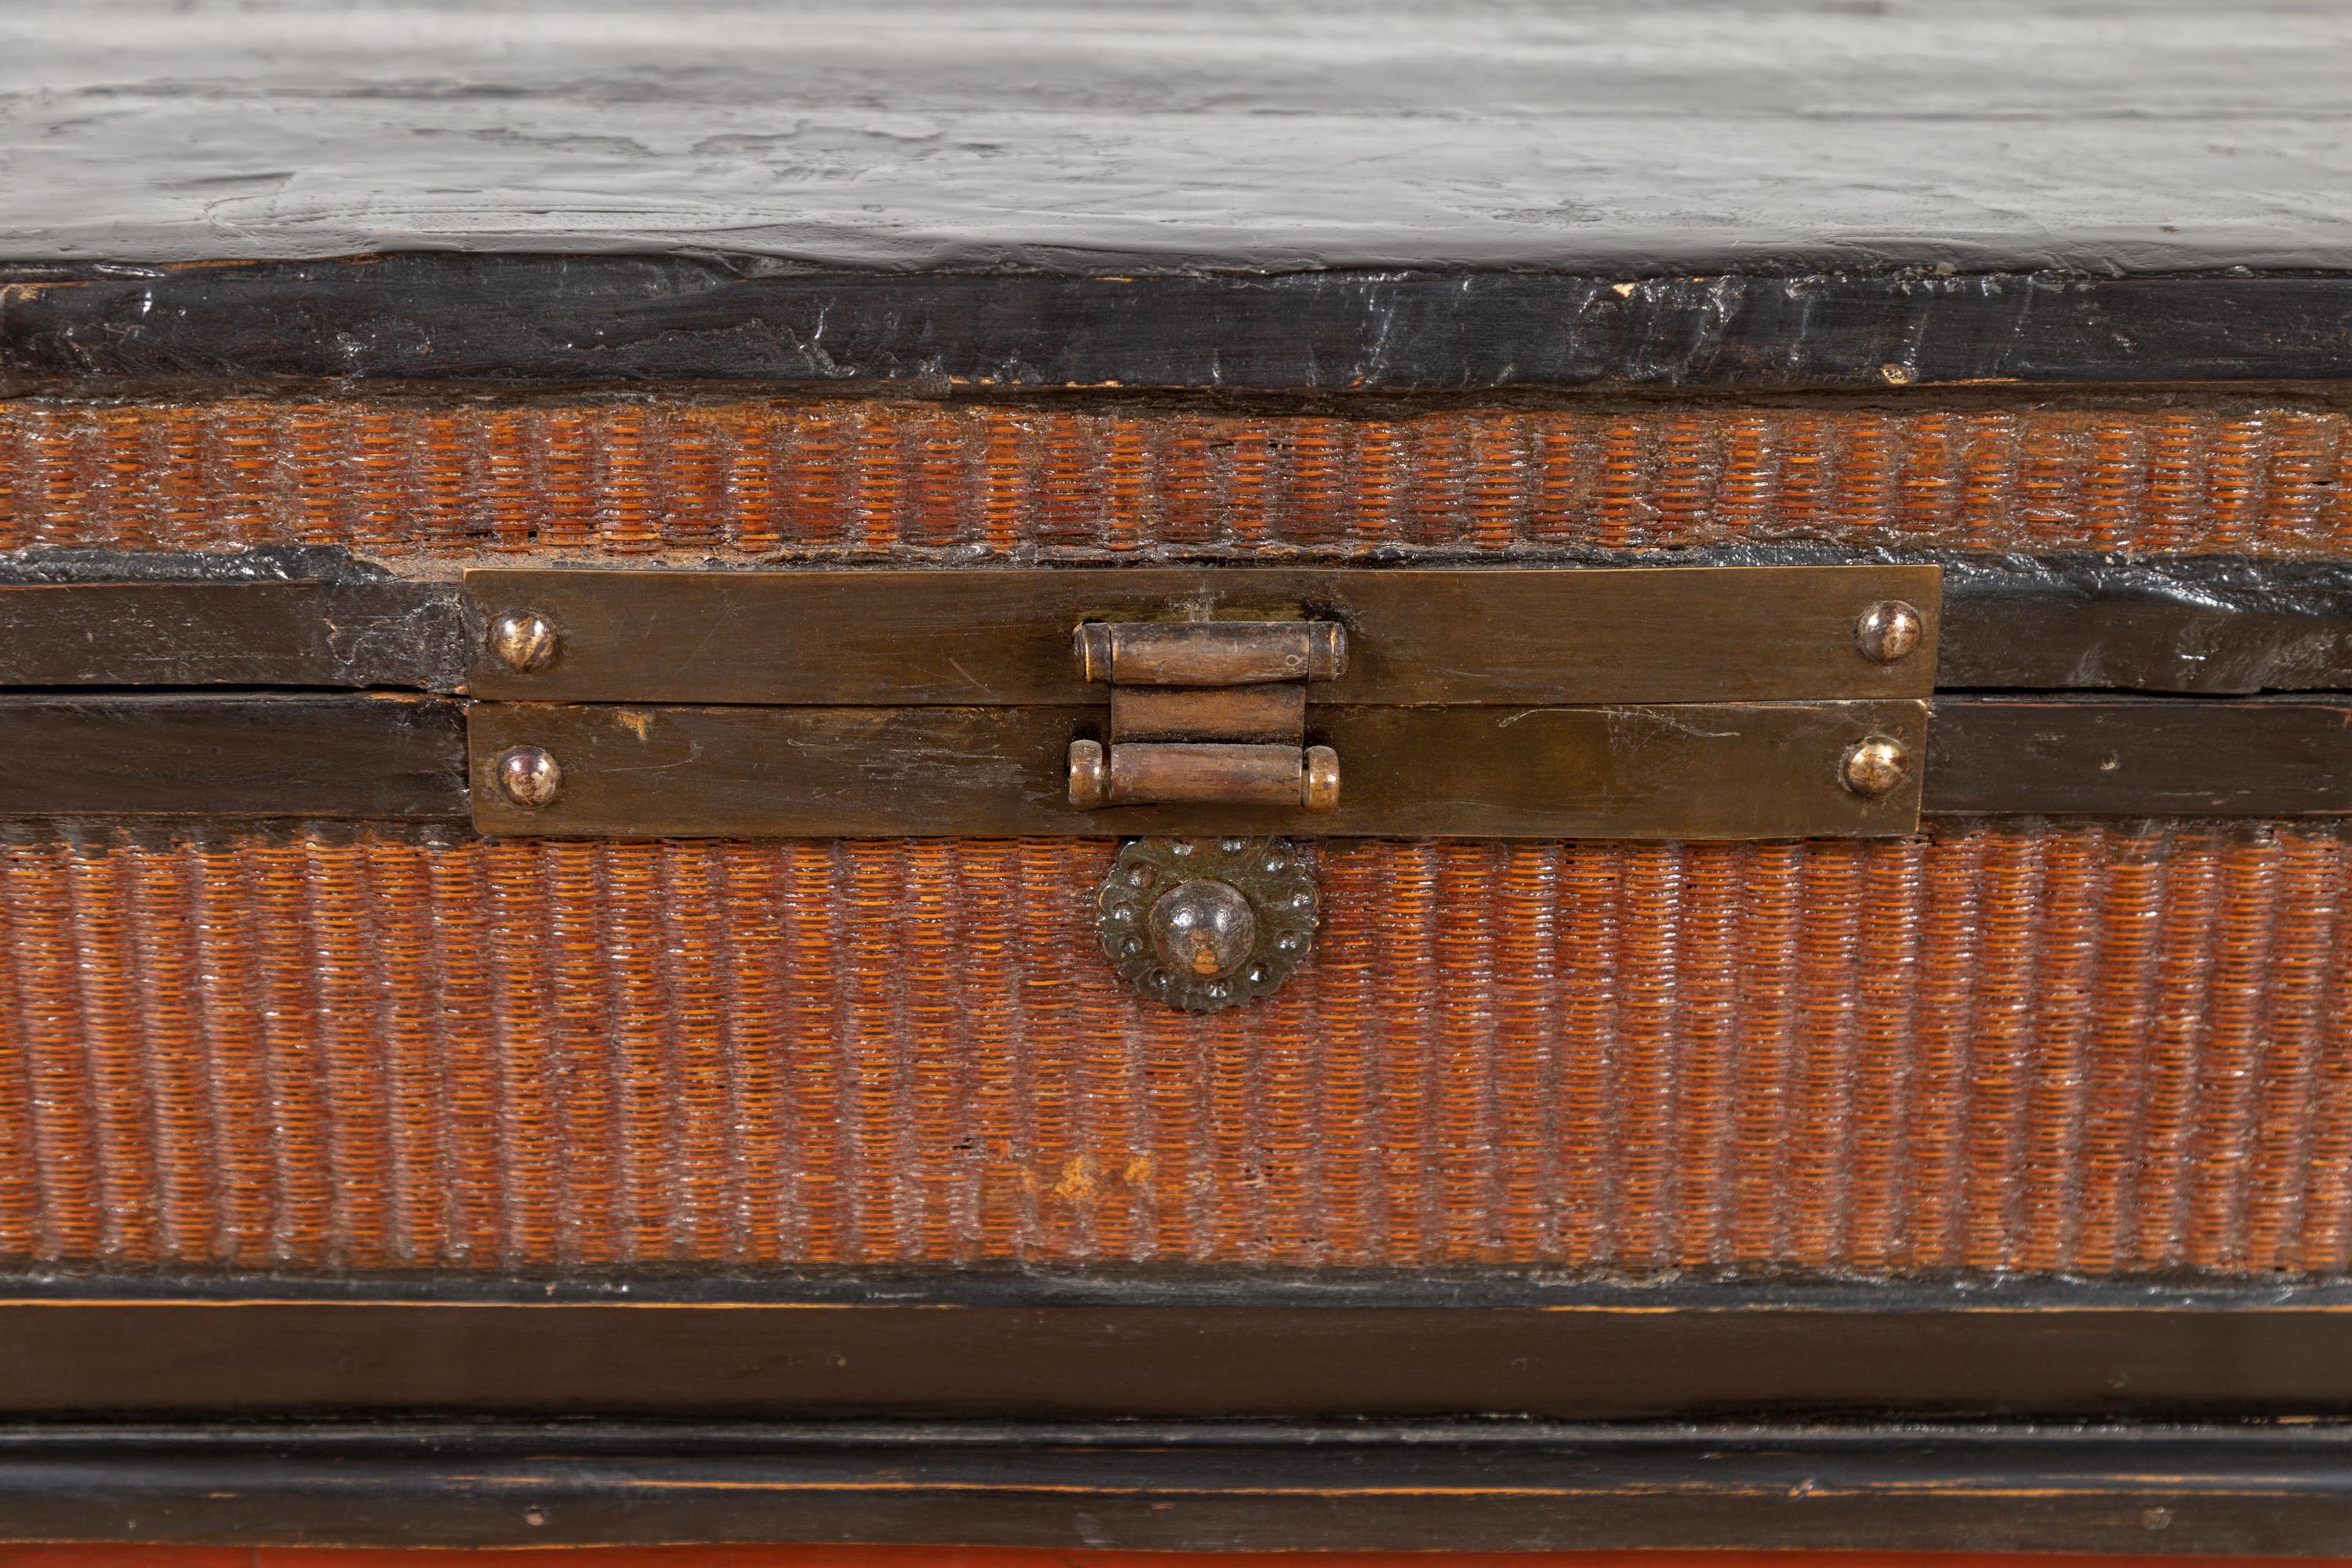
x,y
317,563
1914,1354
1202,1487
1120,1284
520,320
150,632
232,757
2054,756
2204,625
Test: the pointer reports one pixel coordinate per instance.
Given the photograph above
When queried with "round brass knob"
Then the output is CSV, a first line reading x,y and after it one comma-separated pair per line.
x,y
1202,928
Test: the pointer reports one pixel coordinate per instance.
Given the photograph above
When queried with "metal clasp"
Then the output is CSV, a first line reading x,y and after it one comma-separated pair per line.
x,y
1207,713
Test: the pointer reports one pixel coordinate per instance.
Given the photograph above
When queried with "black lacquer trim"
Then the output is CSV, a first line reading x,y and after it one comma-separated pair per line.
x,y
2059,755
1457,1486
2211,625
152,632
1914,1352
381,757
511,318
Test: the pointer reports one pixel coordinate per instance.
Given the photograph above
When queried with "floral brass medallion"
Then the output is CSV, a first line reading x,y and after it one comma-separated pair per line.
x,y
1203,923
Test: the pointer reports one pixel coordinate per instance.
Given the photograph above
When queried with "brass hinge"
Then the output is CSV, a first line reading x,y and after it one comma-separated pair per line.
x,y
1207,713
1657,702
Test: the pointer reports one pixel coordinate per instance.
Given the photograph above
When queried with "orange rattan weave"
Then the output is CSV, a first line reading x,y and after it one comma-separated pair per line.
x,y
852,481
2092,1048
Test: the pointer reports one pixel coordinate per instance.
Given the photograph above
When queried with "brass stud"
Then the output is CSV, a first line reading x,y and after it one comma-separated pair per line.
x,y
1320,789
1876,767
524,640
1890,630
530,777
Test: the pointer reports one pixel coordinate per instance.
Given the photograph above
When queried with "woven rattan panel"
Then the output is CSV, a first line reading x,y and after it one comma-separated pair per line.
x,y
866,479
2040,1047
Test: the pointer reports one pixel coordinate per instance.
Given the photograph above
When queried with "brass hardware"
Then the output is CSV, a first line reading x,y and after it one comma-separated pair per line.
x,y
1203,929
1207,713
1523,636
1319,790
1891,630
1089,775
1674,771
1204,773
523,641
530,777
1876,766
1269,714
1685,702
1210,653
1204,923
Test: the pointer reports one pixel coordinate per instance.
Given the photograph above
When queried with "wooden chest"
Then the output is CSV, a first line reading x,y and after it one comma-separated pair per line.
x,y
1523,779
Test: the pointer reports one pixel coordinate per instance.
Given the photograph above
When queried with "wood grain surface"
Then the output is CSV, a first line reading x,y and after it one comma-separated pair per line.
x,y
231,758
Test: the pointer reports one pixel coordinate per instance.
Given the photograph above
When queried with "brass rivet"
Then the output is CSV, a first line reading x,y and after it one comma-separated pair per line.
x,y
1089,775
1890,630
530,777
1895,374
1320,791
1876,766
524,640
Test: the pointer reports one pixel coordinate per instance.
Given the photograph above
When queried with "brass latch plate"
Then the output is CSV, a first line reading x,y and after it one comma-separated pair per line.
x,y
1669,702
1000,637
1765,770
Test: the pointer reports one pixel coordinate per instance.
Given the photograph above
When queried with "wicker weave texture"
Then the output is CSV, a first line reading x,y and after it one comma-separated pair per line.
x,y
854,480
2082,1047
